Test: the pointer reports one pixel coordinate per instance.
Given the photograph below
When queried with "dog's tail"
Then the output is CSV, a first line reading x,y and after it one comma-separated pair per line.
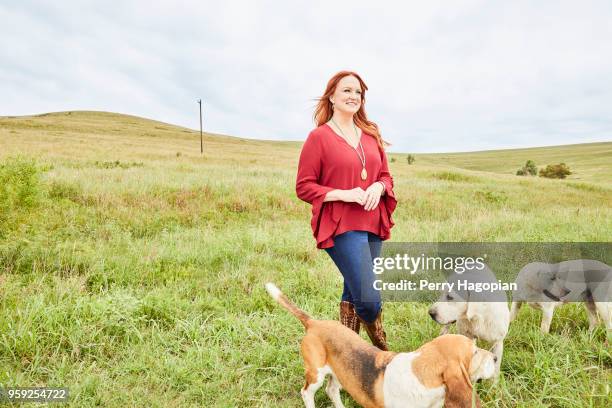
x,y
280,297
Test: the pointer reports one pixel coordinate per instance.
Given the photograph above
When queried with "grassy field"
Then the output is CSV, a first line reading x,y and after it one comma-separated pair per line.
x,y
132,267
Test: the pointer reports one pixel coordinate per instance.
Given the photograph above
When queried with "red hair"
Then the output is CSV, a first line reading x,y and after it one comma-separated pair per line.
x,y
324,112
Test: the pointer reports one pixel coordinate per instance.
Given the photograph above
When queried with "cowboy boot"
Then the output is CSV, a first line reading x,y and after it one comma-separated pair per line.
x,y
376,332
348,316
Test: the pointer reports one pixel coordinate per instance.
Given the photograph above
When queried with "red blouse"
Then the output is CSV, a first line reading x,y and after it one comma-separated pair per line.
x,y
328,162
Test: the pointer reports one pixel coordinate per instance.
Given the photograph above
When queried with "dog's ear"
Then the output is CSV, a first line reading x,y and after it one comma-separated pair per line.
x,y
470,311
459,387
474,308
545,275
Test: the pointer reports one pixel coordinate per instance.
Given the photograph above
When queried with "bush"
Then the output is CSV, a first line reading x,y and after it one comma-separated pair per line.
x,y
559,171
19,189
528,169
531,168
62,189
451,176
410,159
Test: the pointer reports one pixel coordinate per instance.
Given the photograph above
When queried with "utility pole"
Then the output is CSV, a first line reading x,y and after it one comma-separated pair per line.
x,y
201,141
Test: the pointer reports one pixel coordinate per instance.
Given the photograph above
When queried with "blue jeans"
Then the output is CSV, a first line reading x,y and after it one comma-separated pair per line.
x,y
352,253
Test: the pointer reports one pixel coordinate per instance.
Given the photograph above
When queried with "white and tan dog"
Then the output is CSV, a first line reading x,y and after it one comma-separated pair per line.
x,y
478,315
439,373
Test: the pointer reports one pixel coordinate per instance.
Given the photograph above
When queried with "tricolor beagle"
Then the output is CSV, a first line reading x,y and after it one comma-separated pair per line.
x,y
439,373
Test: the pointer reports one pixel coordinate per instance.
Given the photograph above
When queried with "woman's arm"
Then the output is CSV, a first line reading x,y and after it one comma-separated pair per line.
x,y
334,195
356,195
307,187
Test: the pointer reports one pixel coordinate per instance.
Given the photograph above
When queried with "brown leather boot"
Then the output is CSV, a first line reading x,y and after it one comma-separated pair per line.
x,y
348,316
376,333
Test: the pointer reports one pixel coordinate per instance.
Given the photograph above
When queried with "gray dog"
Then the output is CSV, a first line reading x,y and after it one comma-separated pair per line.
x,y
546,286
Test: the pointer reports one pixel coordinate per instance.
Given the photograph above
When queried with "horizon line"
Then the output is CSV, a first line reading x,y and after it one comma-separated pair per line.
x,y
301,141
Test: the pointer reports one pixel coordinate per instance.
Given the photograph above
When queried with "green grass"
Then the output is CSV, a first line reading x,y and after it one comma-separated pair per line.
x,y
135,275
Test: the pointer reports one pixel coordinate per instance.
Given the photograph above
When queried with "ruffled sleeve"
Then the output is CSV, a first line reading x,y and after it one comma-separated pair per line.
x,y
307,185
388,198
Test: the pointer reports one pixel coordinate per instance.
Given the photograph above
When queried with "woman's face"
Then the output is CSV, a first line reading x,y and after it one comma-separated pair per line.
x,y
347,96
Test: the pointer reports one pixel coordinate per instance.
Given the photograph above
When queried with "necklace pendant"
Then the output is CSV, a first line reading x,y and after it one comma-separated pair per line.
x,y
364,174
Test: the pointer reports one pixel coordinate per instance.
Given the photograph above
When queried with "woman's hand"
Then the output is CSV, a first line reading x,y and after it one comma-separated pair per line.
x,y
355,195
372,196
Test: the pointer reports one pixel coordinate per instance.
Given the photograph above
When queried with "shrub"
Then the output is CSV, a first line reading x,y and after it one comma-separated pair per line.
x,y
559,171
528,169
410,159
531,168
19,189
392,160
451,176
62,189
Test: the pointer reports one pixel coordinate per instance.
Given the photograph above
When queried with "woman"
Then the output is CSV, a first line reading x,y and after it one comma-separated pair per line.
x,y
343,173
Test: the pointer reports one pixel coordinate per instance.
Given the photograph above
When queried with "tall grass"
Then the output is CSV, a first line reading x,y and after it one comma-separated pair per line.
x,y
134,275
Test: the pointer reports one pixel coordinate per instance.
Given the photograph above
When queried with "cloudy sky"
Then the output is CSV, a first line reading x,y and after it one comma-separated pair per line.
x,y
443,76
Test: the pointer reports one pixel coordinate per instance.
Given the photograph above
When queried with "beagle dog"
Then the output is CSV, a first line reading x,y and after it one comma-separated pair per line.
x,y
439,373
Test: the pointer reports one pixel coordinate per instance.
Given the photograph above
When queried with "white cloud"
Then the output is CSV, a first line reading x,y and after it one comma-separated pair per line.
x,y
443,76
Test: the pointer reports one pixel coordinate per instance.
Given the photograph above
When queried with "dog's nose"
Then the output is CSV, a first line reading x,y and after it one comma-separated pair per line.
x,y
432,313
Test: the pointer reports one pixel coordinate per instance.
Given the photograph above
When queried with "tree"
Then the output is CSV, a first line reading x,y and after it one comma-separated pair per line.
x,y
528,169
559,171
410,159
531,168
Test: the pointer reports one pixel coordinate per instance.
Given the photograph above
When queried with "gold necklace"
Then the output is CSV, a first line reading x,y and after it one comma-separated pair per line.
x,y
364,172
